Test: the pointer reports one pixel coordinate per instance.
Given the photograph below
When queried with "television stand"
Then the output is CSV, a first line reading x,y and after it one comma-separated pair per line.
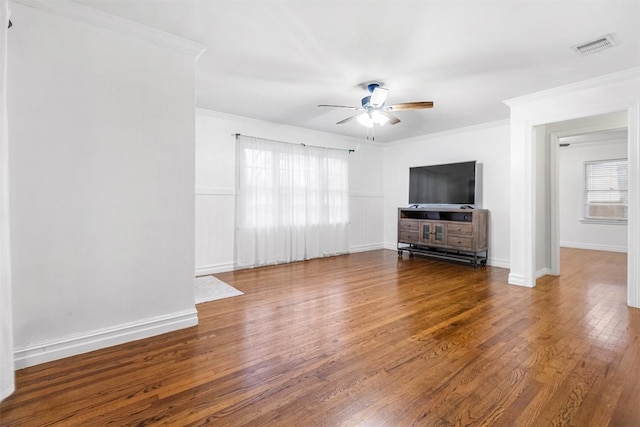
x,y
451,234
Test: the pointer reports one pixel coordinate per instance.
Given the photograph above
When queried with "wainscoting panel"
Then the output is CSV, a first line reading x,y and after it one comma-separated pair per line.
x,y
215,222
367,222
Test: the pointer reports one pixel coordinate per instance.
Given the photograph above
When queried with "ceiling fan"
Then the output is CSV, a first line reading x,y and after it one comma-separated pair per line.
x,y
374,110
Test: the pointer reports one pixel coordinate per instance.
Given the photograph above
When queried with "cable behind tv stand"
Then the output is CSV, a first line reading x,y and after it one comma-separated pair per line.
x,y
452,234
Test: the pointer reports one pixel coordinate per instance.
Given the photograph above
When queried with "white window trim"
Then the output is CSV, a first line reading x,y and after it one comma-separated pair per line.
x,y
604,221
598,221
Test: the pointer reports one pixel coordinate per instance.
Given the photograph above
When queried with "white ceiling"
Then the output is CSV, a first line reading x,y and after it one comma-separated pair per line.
x,y
276,60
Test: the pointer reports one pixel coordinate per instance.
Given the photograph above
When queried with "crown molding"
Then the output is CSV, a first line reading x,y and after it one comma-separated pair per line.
x,y
243,120
612,78
445,133
91,16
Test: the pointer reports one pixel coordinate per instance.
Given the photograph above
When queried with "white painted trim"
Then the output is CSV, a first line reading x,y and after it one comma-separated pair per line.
x,y
205,270
543,272
500,263
365,194
603,221
553,145
98,18
579,145
445,133
633,228
604,95
593,246
206,191
72,345
517,279
577,86
390,246
530,233
523,158
352,143
366,248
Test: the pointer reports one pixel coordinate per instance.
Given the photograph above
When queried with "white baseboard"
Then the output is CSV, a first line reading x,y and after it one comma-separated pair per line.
x,y
501,263
543,272
7,391
205,270
594,246
72,345
516,279
365,248
390,246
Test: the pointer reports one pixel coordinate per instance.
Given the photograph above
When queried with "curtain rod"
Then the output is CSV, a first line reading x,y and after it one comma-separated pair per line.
x,y
350,150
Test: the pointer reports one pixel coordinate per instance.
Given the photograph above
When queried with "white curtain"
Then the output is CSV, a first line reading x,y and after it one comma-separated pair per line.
x,y
292,202
7,384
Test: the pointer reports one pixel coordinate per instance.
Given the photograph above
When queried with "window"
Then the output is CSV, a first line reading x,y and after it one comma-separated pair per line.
x,y
292,202
300,187
606,190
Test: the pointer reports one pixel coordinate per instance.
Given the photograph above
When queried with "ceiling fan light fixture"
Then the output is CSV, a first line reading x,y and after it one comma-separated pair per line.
x,y
372,118
379,118
365,120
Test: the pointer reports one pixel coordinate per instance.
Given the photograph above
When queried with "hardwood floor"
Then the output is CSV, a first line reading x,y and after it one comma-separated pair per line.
x,y
368,339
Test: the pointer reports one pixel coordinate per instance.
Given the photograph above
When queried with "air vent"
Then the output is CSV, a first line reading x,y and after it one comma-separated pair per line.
x,y
597,45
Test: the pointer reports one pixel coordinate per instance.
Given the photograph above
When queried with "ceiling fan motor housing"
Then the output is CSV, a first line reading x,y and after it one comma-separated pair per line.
x,y
372,86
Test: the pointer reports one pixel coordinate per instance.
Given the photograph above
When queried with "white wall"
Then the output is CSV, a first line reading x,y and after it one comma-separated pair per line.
x,y
7,377
573,232
102,177
215,184
487,144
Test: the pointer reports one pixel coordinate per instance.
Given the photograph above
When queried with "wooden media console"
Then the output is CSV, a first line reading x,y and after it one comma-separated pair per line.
x,y
447,233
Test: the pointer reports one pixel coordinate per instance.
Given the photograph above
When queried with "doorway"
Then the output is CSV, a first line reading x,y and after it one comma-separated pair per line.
x,y
530,115
584,134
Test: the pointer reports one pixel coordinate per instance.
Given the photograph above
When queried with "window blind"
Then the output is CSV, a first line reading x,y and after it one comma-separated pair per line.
x,y
606,189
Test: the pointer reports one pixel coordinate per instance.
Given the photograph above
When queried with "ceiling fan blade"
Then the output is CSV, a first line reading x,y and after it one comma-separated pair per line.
x,y
348,119
337,106
392,119
378,97
409,106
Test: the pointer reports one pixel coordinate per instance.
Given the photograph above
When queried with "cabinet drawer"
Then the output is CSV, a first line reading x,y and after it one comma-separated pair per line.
x,y
408,236
460,229
460,242
409,225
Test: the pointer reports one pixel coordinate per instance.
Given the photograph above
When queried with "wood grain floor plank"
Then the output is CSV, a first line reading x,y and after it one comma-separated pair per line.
x,y
368,339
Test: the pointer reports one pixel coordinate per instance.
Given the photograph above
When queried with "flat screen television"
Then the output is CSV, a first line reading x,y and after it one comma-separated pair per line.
x,y
453,184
